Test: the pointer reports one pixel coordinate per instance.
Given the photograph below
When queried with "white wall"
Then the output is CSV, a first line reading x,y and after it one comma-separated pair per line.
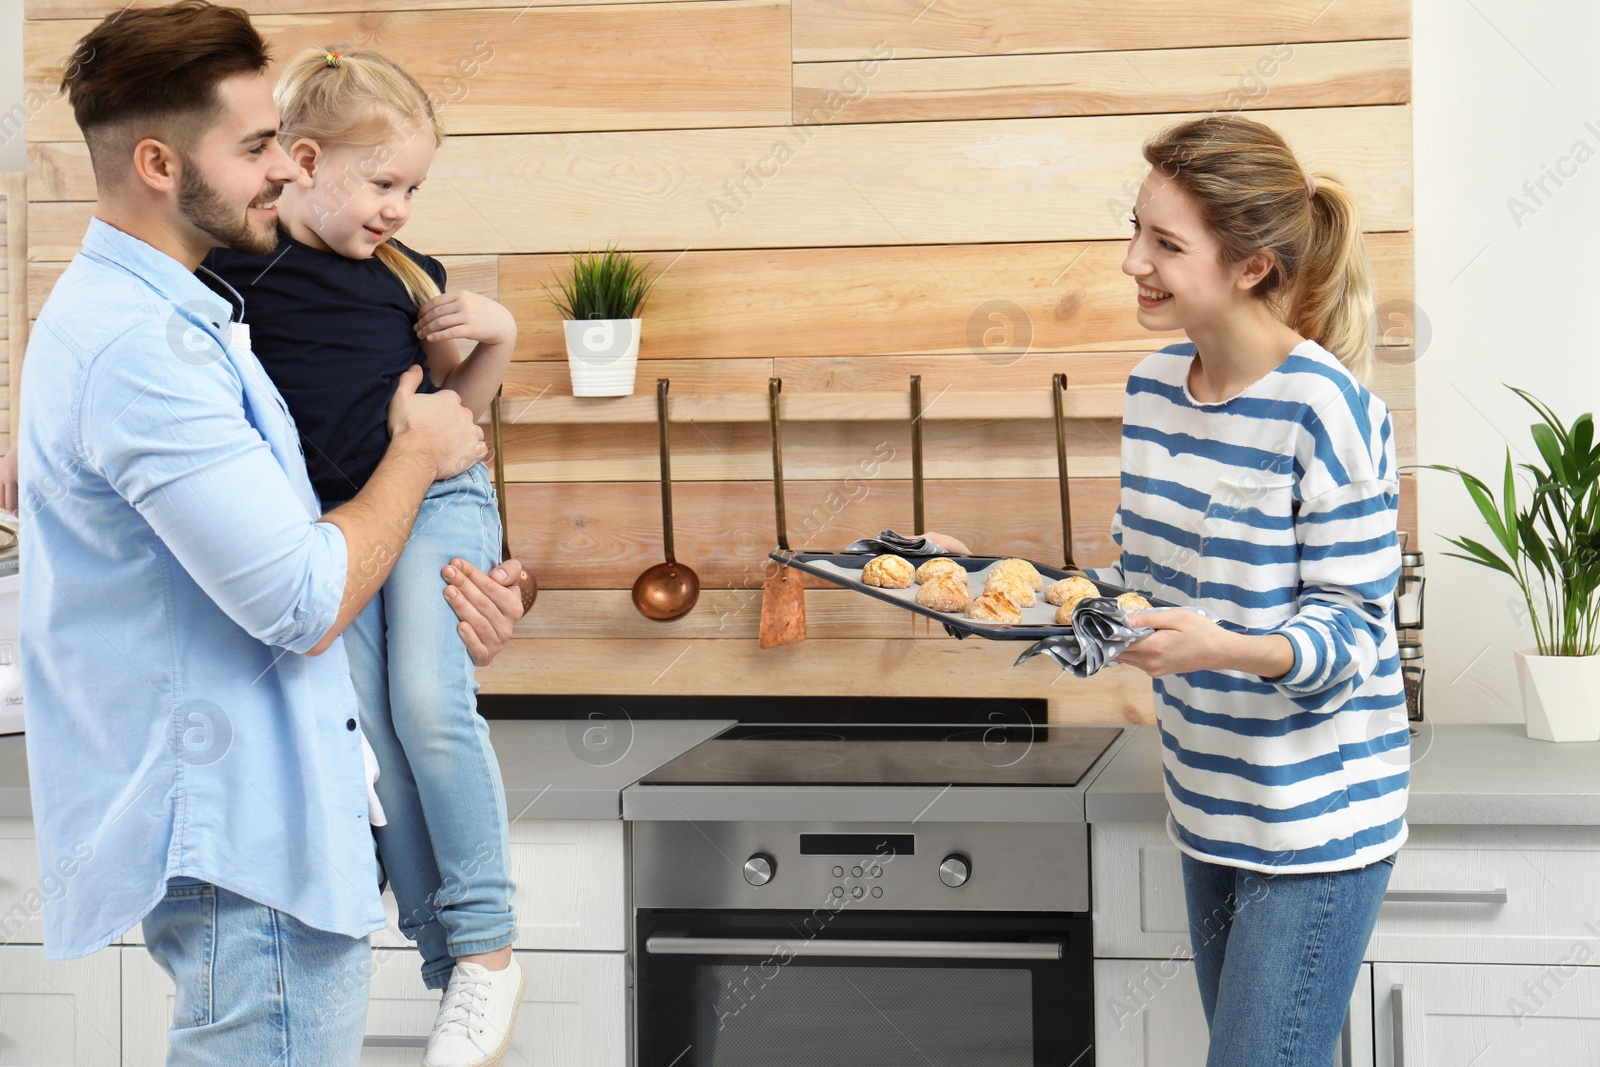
x,y
1502,89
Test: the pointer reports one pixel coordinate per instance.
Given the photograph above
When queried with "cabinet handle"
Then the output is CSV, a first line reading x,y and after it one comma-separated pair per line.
x,y
666,945
393,1041
1446,896
1397,1008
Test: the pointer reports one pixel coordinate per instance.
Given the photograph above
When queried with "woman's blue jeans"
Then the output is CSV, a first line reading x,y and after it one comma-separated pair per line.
x,y
1277,957
256,985
446,846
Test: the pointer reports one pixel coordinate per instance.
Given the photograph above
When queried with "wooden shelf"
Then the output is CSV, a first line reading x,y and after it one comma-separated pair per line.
x,y
1099,402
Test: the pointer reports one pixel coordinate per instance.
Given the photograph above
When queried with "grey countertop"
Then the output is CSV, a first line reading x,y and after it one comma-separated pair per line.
x,y
1474,774
587,769
551,769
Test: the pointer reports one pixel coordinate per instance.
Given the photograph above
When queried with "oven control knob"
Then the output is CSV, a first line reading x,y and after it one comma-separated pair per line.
x,y
758,869
955,870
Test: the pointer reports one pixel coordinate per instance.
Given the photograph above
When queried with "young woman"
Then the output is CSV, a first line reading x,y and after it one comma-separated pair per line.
x,y
340,311
1259,484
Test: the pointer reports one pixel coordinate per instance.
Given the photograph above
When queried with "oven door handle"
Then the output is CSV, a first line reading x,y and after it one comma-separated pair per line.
x,y
665,945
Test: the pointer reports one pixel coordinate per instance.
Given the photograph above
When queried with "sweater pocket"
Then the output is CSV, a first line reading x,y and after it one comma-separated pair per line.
x,y
1249,557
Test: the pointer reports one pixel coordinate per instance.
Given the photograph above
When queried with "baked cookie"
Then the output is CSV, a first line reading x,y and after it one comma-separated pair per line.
x,y
1064,612
1027,571
1133,602
1077,585
994,607
1012,585
940,565
888,572
945,592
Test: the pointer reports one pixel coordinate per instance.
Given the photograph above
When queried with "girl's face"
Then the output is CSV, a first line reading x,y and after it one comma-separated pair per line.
x,y
1184,281
358,196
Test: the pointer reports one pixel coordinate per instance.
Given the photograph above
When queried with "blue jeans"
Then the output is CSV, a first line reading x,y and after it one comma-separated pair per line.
x,y
1277,957
446,846
256,985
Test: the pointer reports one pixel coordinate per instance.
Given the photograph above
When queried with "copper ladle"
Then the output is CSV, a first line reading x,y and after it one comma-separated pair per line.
x,y
668,589
527,584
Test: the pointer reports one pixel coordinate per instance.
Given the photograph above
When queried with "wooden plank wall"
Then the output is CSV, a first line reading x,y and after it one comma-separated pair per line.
x,y
842,193
13,293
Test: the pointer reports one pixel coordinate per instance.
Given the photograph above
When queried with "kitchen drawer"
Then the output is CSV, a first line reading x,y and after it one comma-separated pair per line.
x,y
1474,894
1147,1014
59,1013
1491,894
21,895
574,1010
571,879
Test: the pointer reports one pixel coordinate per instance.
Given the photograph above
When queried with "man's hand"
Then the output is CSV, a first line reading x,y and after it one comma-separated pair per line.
x,y
465,315
488,605
8,481
436,424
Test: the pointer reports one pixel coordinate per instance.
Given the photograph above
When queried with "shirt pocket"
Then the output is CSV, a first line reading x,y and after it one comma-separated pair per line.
x,y
1248,551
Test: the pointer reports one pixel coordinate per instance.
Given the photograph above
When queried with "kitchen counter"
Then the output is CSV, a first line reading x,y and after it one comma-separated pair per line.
x,y
1470,774
551,769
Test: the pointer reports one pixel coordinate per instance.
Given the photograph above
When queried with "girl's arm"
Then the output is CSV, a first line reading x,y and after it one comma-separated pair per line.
x,y
465,315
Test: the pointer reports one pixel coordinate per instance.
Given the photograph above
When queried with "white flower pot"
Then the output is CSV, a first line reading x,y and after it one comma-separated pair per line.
x,y
1560,695
603,355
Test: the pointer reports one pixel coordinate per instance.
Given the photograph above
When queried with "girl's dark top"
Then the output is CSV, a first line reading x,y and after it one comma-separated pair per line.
x,y
334,334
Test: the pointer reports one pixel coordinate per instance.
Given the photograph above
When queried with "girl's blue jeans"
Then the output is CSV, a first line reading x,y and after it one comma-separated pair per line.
x,y
446,846
1277,957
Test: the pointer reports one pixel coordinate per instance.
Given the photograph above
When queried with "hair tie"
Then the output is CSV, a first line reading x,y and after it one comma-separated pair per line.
x,y
332,58
1311,185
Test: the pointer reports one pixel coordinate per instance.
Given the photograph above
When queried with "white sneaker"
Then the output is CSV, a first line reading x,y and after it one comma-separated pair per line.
x,y
476,1017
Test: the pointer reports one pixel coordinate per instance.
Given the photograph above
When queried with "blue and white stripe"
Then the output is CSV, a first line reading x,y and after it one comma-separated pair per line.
x,y
1275,512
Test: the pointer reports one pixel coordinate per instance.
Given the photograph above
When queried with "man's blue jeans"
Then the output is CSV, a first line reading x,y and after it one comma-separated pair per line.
x,y
1277,957
446,847
256,986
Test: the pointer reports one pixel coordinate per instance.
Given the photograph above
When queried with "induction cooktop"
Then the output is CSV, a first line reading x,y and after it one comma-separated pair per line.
x,y
860,754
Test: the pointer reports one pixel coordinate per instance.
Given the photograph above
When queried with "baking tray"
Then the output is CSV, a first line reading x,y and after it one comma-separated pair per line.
x,y
844,568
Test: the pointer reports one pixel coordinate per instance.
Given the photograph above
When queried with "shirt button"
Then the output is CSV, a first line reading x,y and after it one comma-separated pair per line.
x,y
349,724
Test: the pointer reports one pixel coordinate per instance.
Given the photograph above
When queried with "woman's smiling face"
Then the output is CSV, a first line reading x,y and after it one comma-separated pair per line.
x,y
1183,279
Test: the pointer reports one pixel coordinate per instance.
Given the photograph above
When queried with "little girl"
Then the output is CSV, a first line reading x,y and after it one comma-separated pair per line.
x,y
338,312
1259,484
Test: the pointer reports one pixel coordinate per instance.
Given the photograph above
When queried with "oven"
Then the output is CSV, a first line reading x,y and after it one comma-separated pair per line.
x,y
920,944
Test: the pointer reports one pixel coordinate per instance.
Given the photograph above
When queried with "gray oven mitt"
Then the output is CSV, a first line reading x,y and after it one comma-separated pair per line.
x,y
1100,632
891,542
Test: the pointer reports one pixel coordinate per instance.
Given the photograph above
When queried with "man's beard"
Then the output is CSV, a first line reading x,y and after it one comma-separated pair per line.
x,y
211,213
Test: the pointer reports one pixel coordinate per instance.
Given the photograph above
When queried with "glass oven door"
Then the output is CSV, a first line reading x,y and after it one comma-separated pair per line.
x,y
824,989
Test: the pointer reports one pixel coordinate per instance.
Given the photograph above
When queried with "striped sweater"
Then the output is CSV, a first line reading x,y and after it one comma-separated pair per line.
x,y
1275,512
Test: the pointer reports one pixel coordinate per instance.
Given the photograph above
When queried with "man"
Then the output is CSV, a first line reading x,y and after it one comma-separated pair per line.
x,y
192,729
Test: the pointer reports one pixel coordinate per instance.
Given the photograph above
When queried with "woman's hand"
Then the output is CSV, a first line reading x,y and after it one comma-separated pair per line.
x,y
1187,641
462,313
949,544
488,605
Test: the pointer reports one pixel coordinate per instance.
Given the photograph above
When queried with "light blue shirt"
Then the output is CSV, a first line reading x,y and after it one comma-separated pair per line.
x,y
173,576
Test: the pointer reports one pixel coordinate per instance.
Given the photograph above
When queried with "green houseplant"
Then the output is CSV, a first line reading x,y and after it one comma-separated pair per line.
x,y
1547,540
600,297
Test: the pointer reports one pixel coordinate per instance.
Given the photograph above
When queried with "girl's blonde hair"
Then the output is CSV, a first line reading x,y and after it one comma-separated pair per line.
x,y
1255,197
335,96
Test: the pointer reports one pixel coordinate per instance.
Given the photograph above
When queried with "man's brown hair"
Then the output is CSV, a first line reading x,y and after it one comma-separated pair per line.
x,y
153,72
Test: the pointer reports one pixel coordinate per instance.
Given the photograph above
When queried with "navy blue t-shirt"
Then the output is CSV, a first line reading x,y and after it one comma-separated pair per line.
x,y
334,334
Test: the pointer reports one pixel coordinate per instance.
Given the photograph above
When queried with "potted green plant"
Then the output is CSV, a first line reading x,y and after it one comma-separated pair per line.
x,y
1550,546
600,298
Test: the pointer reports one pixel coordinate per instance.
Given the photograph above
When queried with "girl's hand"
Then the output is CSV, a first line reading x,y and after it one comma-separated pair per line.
x,y
462,313
8,481
1187,641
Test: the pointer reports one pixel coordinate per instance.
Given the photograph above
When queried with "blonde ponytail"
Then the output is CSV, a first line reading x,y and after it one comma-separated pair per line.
x,y
1255,198
335,96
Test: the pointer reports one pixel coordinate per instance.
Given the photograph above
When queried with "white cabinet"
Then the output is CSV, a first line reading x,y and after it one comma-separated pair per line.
x,y
59,1013
22,921
574,1010
1148,1014
1451,1015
